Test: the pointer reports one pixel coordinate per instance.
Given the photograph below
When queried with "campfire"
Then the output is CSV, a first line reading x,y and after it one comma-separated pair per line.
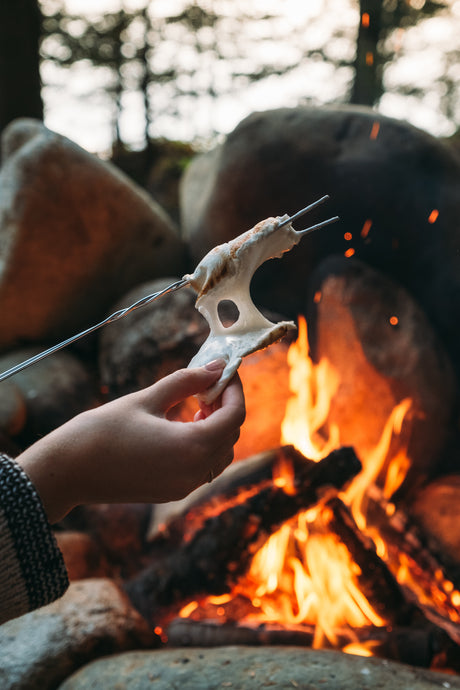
x,y
304,544
328,530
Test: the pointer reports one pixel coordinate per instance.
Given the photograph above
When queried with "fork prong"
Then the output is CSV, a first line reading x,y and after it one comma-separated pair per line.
x,y
305,210
318,225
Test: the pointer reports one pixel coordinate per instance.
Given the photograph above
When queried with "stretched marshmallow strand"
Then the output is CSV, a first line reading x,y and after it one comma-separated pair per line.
x,y
225,273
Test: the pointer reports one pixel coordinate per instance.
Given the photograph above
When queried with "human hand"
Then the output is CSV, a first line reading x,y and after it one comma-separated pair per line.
x,y
128,451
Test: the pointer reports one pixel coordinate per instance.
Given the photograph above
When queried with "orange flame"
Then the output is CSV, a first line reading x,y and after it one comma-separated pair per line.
x,y
307,410
303,573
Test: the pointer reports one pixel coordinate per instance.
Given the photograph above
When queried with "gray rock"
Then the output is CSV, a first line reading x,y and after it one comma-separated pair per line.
x,y
384,177
39,650
75,234
152,341
380,363
241,668
44,396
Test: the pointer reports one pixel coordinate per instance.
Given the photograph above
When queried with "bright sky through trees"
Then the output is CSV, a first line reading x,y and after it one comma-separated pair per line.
x,y
75,104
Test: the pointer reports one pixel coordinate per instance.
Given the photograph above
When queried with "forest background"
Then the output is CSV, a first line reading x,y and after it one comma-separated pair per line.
x,y
116,75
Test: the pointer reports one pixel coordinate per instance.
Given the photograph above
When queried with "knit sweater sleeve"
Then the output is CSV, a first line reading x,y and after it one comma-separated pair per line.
x,y
32,569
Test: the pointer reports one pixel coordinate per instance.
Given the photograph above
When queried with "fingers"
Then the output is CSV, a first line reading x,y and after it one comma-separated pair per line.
x,y
182,384
231,413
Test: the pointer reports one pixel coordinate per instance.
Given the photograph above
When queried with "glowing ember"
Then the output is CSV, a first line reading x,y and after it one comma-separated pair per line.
x,y
188,609
394,320
374,134
433,217
369,59
283,476
348,236
158,630
368,223
349,252
365,19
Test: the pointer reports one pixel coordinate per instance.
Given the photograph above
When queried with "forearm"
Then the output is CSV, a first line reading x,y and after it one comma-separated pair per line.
x,y
32,570
54,465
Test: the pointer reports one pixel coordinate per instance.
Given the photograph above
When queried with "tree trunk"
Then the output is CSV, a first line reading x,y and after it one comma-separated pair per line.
x,y
20,87
367,84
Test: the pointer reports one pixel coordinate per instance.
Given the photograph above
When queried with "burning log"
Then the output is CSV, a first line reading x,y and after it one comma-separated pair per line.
x,y
169,522
430,580
220,550
375,580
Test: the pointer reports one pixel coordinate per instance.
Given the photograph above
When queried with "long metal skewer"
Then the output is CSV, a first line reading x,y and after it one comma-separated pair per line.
x,y
113,317
150,298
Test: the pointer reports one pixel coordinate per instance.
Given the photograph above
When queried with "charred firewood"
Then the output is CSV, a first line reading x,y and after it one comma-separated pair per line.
x,y
168,522
431,580
186,632
375,580
418,646
217,552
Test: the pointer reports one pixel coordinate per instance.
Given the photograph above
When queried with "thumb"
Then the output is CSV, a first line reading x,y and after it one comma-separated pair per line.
x,y
182,384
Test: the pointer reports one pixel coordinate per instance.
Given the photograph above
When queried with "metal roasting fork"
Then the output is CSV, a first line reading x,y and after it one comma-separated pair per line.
x,y
156,295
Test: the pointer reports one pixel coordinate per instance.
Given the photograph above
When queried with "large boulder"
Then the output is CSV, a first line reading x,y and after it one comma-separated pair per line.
x,y
93,618
394,187
437,508
75,235
42,397
241,668
385,354
152,341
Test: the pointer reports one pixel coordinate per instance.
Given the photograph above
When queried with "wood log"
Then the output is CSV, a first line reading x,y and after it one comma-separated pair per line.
x,y
418,646
375,579
219,549
168,518
431,579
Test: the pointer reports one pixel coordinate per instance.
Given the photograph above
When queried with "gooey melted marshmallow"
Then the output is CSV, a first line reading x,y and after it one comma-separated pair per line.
x,y
225,273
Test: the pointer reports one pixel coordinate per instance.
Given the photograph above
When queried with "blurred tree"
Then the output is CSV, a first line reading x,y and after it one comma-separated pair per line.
x,y
20,88
68,39
367,82
126,44
174,63
379,19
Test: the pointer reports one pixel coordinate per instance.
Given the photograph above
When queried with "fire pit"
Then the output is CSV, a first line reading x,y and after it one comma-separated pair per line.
x,y
304,544
327,538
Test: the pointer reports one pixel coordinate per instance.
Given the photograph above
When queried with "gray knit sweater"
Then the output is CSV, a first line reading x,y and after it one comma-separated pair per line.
x,y
32,570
